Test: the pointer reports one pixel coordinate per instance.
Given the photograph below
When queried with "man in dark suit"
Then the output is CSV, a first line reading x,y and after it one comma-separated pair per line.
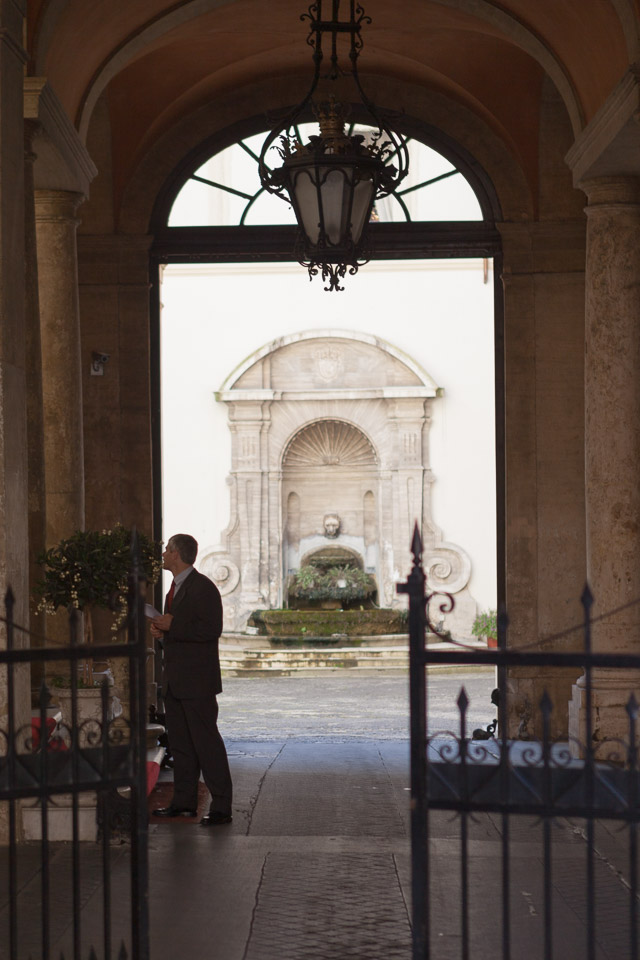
x,y
189,630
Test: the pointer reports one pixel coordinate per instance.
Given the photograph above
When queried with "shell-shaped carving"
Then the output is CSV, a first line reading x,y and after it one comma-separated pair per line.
x,y
329,443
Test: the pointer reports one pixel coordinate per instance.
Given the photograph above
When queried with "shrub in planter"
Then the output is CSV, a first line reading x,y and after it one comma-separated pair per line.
x,y
343,583
485,626
89,570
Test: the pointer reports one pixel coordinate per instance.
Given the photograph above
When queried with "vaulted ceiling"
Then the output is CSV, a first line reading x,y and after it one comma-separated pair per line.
x,y
157,61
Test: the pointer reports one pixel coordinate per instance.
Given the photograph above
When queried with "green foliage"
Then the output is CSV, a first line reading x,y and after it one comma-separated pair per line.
x,y
312,582
61,682
485,624
90,569
314,624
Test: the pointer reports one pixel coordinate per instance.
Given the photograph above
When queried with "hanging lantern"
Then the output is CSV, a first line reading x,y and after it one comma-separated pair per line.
x,y
333,181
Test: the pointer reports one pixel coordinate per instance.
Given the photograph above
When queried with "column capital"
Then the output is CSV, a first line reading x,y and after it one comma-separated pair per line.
x,y
57,205
622,191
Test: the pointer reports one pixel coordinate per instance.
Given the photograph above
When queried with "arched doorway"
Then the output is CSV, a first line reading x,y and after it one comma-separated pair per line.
x,y
399,236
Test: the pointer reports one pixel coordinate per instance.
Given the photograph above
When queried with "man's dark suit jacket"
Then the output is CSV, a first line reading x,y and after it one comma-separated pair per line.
x,y
191,666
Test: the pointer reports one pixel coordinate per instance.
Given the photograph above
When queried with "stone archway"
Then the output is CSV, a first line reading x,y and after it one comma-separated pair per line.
x,y
329,435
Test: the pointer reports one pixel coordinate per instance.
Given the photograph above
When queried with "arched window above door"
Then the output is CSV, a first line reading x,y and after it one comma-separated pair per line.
x,y
225,190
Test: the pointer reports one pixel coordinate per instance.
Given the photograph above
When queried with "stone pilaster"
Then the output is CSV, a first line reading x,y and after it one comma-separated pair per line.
x,y
545,547
612,435
55,215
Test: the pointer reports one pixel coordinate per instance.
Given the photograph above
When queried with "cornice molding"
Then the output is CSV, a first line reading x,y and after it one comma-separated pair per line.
x,y
16,48
610,144
63,162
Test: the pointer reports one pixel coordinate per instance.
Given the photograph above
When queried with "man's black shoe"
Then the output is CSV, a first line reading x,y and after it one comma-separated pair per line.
x,y
215,819
172,811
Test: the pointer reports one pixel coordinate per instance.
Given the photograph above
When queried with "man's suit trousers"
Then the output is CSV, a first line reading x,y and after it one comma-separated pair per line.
x,y
196,745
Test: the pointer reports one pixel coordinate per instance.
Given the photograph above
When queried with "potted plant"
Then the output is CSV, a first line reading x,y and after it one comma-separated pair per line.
x,y
89,570
486,625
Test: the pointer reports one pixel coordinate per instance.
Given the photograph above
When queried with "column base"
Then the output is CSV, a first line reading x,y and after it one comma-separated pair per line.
x,y
609,718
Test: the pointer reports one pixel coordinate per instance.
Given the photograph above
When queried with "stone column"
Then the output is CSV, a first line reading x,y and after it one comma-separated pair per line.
x,y
56,223
33,352
612,453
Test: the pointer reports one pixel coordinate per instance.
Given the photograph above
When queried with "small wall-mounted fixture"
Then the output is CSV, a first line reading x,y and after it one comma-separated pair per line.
x,y
98,361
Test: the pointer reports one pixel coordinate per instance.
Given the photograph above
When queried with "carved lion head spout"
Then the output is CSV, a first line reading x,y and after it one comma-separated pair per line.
x,y
331,526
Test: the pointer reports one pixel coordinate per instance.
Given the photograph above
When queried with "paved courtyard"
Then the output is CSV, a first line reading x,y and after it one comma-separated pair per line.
x,y
346,707
316,864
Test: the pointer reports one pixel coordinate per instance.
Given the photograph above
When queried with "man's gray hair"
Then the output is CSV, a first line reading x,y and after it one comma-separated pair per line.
x,y
186,545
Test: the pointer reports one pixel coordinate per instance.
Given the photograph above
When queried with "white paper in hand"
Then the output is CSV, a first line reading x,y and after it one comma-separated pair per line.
x,y
151,612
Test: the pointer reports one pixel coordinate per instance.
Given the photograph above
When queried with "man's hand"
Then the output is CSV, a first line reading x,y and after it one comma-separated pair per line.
x,y
162,623
155,633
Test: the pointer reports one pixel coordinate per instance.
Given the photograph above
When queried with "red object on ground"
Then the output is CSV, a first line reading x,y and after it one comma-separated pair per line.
x,y
55,743
153,772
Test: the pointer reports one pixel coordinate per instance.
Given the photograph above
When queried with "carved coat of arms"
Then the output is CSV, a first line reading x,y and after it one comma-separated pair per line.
x,y
328,363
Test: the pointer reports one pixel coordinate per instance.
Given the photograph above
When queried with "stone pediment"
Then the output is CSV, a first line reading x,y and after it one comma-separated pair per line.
x,y
334,362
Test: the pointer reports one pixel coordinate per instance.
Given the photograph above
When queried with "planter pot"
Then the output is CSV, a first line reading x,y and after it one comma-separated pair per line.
x,y
326,623
492,642
89,713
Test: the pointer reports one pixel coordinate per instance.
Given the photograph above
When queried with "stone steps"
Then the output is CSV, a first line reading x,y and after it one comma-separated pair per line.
x,y
308,661
287,661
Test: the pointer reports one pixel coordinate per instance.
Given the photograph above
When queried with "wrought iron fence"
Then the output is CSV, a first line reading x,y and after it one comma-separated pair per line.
x,y
102,758
543,783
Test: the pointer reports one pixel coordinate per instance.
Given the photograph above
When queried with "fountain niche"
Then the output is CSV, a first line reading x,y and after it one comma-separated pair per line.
x,y
329,474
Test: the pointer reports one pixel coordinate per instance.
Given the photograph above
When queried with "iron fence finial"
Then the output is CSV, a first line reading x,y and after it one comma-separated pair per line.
x,y
416,545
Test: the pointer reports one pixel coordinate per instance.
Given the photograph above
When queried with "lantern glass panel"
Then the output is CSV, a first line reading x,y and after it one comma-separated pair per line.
x,y
363,196
336,196
304,197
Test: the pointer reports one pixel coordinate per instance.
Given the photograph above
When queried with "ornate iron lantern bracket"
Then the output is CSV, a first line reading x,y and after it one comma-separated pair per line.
x,y
333,181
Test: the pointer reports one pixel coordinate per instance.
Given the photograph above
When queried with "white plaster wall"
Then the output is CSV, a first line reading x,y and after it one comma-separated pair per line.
x,y
440,313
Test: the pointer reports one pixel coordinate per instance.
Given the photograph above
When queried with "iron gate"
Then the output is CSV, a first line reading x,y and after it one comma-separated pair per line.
x,y
85,759
585,903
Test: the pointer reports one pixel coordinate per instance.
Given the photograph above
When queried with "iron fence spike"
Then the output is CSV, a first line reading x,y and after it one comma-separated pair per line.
x,y
416,544
463,700
546,703
632,706
586,597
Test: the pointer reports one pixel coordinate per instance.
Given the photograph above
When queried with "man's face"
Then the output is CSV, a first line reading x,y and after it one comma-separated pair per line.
x,y
169,557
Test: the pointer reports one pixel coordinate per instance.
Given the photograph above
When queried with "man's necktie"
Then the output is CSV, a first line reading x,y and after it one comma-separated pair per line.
x,y
172,590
